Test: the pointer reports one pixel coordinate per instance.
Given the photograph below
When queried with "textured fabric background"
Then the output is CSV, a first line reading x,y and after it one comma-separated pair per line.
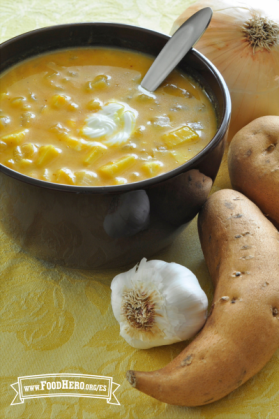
x,y
55,320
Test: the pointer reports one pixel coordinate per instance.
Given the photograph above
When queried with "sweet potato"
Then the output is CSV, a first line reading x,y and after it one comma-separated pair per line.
x,y
241,249
253,161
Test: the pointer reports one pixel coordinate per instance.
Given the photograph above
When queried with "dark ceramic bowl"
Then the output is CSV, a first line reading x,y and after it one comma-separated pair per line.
x,y
104,227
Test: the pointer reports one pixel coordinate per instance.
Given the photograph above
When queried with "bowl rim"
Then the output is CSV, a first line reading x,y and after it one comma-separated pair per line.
x,y
143,184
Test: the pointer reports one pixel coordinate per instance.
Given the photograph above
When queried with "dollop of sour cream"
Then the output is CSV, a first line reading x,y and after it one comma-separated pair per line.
x,y
115,122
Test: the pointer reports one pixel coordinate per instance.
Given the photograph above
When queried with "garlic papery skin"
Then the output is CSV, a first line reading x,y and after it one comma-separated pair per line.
x,y
158,303
242,41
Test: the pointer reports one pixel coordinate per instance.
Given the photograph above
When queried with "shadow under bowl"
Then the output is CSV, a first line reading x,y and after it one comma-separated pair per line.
x,y
112,226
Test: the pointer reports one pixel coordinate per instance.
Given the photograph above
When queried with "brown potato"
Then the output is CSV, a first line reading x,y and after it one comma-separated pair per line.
x,y
253,161
241,249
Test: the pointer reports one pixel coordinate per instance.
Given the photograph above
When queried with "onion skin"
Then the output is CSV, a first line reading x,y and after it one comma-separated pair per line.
x,y
242,331
251,74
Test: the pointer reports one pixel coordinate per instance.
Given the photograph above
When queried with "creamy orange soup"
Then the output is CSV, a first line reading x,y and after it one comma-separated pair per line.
x,y
80,117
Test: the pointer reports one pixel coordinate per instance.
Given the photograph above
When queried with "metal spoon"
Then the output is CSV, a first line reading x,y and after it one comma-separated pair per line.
x,y
176,48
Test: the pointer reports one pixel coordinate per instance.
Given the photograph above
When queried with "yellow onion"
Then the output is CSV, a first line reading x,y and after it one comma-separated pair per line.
x,y
242,41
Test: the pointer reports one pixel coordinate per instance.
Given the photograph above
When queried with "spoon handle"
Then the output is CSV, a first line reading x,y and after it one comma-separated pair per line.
x,y
176,48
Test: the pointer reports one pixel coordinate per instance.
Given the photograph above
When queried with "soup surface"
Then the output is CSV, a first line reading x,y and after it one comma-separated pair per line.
x,y
80,117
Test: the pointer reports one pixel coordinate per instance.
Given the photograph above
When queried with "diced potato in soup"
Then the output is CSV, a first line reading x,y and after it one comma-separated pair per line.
x,y
80,117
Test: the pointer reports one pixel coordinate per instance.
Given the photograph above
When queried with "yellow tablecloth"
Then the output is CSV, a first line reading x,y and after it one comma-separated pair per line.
x,y
55,320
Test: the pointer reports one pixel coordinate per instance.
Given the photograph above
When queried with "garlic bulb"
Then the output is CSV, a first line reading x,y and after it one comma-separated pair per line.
x,y
158,303
242,41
